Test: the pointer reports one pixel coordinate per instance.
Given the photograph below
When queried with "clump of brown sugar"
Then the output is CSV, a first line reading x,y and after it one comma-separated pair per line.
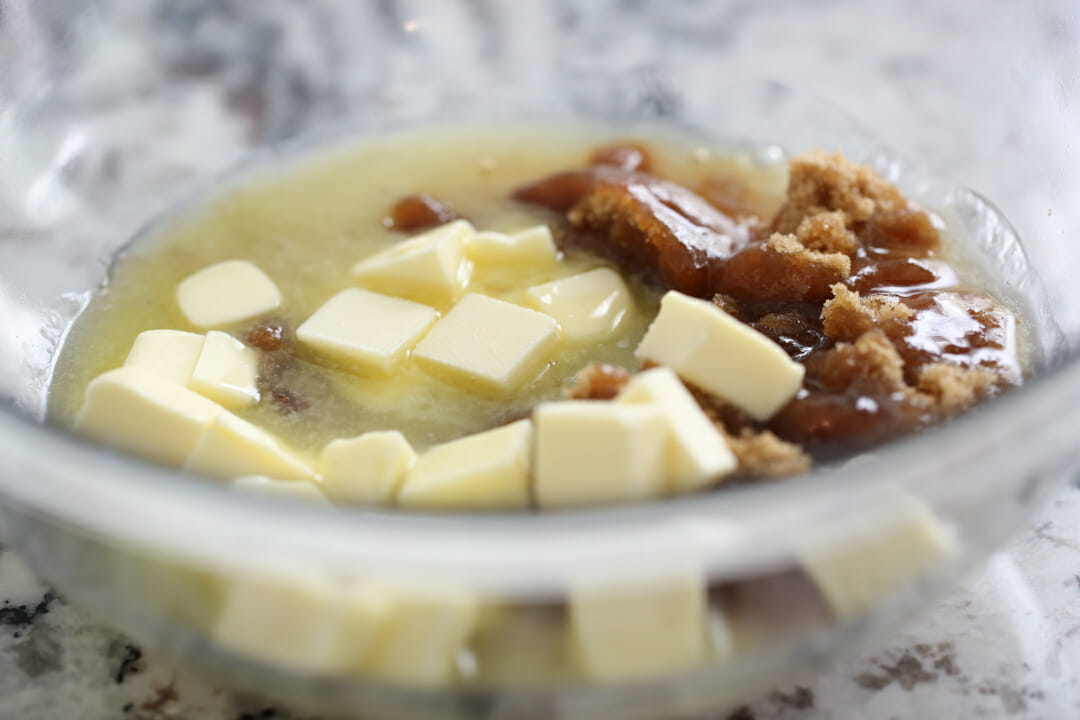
x,y
268,336
598,381
871,359
657,228
954,389
827,233
781,270
761,454
870,365
847,316
844,278
625,156
821,183
418,212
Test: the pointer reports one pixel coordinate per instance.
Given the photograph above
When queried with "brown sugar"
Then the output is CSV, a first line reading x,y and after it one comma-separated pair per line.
x,y
797,329
418,212
906,229
625,156
731,195
847,282
726,303
826,232
657,228
599,381
648,226
781,270
887,273
955,389
269,336
847,315
871,365
820,183
762,454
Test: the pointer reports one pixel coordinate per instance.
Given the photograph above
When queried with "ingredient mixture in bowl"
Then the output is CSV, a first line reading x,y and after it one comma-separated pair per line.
x,y
532,319
517,319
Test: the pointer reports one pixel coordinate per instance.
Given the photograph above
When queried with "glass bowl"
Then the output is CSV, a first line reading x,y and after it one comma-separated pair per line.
x,y
113,113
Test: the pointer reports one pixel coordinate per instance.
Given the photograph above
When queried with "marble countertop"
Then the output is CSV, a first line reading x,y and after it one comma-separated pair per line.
x,y
1004,643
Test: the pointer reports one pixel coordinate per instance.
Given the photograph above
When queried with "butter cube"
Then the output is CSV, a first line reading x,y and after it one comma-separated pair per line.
x,y
169,354
891,540
590,452
366,469
531,246
721,355
232,447
366,330
589,307
225,293
226,371
637,632
430,267
488,470
697,454
286,489
489,343
426,630
304,623
142,413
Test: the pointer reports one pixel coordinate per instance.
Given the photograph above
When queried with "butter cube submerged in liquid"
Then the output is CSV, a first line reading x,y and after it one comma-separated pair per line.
x,y
226,293
226,371
140,412
368,468
170,354
589,307
430,268
488,471
488,343
367,330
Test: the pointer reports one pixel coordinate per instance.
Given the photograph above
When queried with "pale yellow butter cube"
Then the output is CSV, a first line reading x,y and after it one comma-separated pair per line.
x,y
590,452
226,371
427,628
890,539
489,343
303,623
488,471
431,267
170,354
532,246
639,631
589,307
142,413
721,355
697,454
368,468
366,330
232,447
301,490
226,293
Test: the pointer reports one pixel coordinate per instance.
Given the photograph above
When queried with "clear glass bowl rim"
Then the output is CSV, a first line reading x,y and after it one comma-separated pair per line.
x,y
180,516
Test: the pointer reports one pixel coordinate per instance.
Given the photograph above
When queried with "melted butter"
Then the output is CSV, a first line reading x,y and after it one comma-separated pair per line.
x,y
308,223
